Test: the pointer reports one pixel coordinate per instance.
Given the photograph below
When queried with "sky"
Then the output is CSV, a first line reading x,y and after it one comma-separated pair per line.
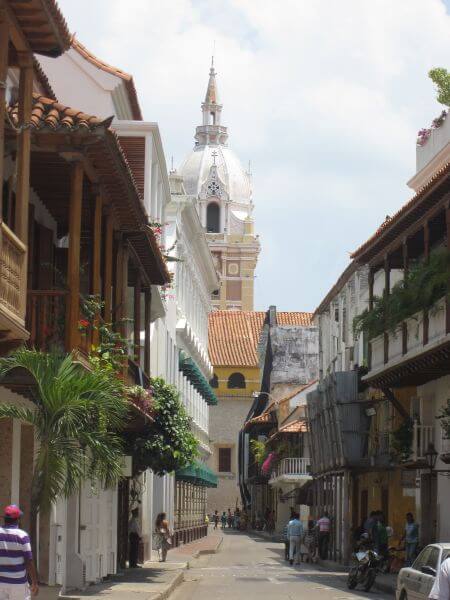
x,y
324,97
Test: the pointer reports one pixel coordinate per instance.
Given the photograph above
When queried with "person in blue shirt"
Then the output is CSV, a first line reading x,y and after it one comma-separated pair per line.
x,y
294,534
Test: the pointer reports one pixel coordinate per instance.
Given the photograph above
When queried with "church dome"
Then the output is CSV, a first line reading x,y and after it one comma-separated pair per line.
x,y
211,153
196,167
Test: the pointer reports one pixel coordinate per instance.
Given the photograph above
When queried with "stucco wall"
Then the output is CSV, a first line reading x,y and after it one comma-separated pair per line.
x,y
225,421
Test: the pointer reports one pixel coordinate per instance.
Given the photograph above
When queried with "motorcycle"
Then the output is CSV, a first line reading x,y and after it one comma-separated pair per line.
x,y
365,569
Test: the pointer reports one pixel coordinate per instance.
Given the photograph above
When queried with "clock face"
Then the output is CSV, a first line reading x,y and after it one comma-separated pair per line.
x,y
213,189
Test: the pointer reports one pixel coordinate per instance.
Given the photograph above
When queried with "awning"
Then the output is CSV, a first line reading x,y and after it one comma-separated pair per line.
x,y
188,367
197,473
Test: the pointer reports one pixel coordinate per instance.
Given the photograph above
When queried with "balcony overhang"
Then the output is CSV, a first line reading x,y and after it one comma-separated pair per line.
x,y
426,364
298,479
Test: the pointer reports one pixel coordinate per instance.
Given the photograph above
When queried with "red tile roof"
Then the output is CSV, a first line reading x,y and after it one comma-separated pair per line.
x,y
234,335
43,25
132,94
390,223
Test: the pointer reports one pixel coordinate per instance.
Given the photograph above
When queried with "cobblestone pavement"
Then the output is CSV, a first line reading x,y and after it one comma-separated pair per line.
x,y
251,568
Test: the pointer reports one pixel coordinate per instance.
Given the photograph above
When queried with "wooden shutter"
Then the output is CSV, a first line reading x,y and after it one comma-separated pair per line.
x,y
225,460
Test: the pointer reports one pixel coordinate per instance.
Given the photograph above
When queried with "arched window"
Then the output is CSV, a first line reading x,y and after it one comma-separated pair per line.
x,y
213,218
236,381
214,382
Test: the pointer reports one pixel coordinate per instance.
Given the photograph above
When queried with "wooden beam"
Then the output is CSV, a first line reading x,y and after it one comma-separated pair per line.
x,y
96,258
24,146
73,257
107,280
147,317
121,287
137,320
395,403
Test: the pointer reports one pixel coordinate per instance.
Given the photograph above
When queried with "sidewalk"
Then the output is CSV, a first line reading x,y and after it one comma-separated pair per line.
x,y
156,580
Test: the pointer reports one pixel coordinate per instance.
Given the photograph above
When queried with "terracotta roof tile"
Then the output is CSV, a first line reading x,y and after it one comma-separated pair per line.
x,y
299,426
48,113
85,53
390,222
234,335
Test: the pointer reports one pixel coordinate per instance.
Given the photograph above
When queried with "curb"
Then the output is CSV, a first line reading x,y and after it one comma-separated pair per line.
x,y
171,587
212,551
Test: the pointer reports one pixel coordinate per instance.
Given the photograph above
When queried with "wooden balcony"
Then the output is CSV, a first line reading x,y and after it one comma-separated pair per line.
x,y
13,283
46,322
415,353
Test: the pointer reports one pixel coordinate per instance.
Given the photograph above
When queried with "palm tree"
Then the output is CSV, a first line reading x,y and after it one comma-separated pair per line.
x,y
76,420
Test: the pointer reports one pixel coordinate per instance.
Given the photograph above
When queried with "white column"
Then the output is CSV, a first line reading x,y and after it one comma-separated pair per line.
x,y
154,191
148,172
222,217
15,462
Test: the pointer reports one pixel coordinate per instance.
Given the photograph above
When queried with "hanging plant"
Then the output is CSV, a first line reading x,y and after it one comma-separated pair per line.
x,y
425,283
167,444
402,440
259,451
444,419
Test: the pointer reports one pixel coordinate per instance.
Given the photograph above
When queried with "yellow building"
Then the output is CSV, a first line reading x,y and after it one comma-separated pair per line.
x,y
233,350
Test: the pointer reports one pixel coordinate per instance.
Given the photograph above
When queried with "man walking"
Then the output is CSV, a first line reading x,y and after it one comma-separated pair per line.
x,y
324,525
134,538
411,538
16,560
295,534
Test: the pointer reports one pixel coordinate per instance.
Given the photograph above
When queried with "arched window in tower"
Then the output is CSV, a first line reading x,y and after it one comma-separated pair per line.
x,y
236,381
213,218
212,116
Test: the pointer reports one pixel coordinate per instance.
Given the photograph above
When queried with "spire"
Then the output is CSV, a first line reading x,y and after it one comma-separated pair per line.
x,y
211,132
212,95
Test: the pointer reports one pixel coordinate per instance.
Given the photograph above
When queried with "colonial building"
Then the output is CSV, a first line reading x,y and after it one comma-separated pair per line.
x,y
288,356
213,174
233,348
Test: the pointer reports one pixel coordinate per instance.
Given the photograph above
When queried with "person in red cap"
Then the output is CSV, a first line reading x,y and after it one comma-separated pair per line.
x,y
16,560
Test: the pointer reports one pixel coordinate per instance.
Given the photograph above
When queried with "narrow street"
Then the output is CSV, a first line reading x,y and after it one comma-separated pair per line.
x,y
248,567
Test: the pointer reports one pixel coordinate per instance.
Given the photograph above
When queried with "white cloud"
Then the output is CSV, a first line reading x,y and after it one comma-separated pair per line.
x,y
325,97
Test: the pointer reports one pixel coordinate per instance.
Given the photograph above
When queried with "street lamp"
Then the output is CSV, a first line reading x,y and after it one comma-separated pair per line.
x,y
431,456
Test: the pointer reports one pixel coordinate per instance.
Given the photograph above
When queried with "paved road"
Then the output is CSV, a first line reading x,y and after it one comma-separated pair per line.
x,y
252,568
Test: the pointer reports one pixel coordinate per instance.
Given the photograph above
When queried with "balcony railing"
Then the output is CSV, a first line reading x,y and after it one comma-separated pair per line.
x,y
46,322
291,468
416,333
423,436
13,276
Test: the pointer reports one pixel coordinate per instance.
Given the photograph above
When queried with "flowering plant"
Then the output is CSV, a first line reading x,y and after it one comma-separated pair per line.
x,y
424,134
267,464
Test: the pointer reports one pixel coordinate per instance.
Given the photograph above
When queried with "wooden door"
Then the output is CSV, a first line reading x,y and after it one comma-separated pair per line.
x,y
364,505
385,504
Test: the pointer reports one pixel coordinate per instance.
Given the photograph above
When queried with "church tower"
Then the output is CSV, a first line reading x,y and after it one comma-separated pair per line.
x,y
214,175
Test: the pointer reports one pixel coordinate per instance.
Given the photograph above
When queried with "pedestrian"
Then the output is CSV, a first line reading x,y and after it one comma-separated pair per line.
x,y
163,534
134,537
411,539
223,520
216,519
229,519
310,542
324,525
16,560
380,535
369,524
295,533
286,540
441,586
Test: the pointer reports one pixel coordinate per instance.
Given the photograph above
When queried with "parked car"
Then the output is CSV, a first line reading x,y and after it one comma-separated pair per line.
x,y
415,582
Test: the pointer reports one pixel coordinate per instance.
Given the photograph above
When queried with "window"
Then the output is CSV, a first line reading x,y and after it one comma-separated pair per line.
x,y
214,382
213,218
433,558
236,381
422,559
224,460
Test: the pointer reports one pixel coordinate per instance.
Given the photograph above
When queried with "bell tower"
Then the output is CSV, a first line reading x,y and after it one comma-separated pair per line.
x,y
214,174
